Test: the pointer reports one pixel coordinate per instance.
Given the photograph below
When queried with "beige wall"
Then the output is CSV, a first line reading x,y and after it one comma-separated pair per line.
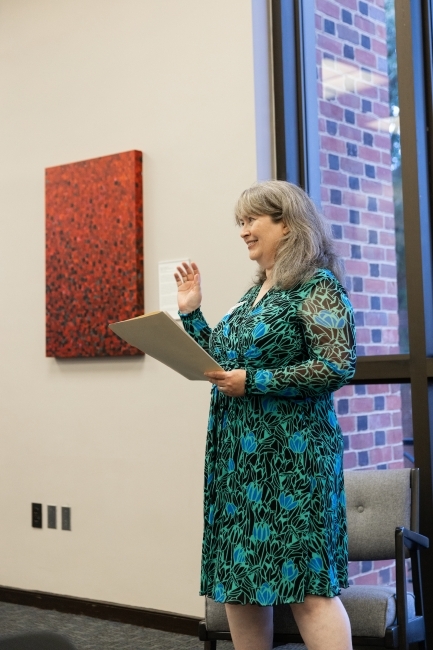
x,y
120,441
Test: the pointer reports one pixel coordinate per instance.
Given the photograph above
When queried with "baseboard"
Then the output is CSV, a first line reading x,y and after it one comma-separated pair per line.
x,y
152,618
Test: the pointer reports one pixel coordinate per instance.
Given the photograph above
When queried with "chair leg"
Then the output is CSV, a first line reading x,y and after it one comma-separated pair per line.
x,y
210,645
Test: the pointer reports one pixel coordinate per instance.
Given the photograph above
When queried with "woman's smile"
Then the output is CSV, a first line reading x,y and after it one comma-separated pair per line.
x,y
262,235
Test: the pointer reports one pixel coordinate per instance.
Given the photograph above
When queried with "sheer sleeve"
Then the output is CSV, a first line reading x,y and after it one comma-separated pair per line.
x,y
196,326
327,324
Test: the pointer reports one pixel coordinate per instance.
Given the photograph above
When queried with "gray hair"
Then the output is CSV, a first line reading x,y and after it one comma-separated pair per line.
x,y
308,245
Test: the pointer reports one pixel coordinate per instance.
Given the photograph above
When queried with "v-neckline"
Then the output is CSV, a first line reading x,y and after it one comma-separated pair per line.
x,y
255,304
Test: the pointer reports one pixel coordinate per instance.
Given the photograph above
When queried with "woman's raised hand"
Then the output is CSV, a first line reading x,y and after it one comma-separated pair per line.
x,y
188,287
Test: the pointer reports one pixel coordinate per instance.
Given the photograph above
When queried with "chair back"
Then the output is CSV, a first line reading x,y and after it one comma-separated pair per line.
x,y
377,501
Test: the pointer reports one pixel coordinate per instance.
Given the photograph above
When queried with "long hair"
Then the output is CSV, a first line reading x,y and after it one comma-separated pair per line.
x,y
306,247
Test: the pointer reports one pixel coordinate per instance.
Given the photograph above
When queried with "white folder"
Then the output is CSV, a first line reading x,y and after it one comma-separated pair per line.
x,y
158,335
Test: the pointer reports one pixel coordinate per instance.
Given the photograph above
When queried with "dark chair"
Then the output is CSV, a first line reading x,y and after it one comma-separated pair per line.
x,y
383,520
35,641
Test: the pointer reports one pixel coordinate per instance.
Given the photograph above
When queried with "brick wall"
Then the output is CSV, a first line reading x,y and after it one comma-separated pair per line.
x,y
357,199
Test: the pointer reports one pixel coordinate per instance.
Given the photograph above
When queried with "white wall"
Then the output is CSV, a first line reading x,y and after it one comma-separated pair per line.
x,y
121,441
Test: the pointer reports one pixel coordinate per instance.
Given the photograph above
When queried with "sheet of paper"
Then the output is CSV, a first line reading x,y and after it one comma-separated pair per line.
x,y
167,286
159,336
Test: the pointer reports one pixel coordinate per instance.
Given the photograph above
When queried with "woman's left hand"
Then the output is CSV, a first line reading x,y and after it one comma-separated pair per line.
x,y
231,383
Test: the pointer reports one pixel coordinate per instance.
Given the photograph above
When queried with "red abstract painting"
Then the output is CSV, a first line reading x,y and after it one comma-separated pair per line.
x,y
94,254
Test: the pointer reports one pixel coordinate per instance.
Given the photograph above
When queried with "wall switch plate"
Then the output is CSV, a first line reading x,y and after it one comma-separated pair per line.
x,y
37,515
52,516
66,518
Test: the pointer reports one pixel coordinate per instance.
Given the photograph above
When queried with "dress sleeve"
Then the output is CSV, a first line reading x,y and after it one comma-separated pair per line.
x,y
327,324
196,326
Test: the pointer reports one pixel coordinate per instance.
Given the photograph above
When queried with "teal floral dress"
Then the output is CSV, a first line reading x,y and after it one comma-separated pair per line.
x,y
274,501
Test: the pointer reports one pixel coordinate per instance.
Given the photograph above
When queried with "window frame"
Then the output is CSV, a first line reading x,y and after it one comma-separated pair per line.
x,y
296,149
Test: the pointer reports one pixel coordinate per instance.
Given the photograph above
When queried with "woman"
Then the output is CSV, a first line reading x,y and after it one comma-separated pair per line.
x,y
275,524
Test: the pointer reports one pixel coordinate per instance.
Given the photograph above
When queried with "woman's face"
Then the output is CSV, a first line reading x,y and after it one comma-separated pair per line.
x,y
262,236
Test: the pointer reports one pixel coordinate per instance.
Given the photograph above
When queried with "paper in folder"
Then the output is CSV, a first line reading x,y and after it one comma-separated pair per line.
x,y
158,335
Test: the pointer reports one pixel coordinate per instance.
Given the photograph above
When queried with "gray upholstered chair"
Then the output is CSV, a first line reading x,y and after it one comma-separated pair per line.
x,y
383,517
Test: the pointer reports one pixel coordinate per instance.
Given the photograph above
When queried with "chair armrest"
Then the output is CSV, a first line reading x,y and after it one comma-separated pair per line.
x,y
413,540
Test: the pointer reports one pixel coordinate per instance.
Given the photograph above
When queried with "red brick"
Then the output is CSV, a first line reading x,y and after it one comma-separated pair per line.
x,y
386,158
390,336
387,238
351,165
361,405
354,569
350,4
329,143
350,459
381,31
334,178
384,174
343,249
350,132
390,223
356,233
377,389
322,125
374,285
388,271
328,8
318,22
367,579
365,25
366,90
391,255
356,267
371,187
394,436
396,419
359,300
389,303
324,194
388,190
330,44
351,100
373,253
362,335
336,213
396,465
384,95
354,200
345,391
323,159
397,452
366,122
391,288
368,153
382,142
380,455
382,564
372,219
393,402
393,319
372,350
381,110
361,441
375,318
365,57
379,47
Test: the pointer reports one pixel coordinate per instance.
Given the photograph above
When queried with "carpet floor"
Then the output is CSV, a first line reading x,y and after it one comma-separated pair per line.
x,y
95,634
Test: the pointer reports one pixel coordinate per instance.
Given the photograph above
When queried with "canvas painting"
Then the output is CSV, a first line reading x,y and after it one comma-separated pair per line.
x,y
94,254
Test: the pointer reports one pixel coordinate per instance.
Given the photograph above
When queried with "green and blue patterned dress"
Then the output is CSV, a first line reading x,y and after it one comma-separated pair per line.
x,y
274,502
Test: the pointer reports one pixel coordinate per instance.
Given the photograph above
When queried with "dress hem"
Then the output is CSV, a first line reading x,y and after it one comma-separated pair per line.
x,y
332,594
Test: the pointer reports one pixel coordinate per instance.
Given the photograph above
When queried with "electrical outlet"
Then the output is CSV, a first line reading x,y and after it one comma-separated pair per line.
x,y
37,515
52,516
66,518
